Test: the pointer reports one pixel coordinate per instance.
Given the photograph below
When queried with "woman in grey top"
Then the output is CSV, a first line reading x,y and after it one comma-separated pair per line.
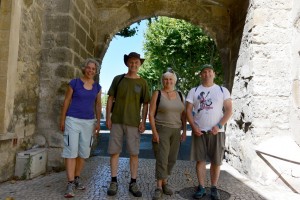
x,y
167,118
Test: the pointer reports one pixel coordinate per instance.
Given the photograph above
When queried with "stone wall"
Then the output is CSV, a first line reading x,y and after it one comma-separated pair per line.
x,y
68,38
23,69
44,42
295,73
262,92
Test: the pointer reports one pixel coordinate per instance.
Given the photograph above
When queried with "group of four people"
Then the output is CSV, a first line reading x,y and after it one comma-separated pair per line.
x,y
207,108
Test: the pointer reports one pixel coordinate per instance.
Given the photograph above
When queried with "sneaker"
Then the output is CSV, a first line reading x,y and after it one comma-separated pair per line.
x,y
167,189
70,191
157,194
200,192
133,188
214,193
113,189
78,184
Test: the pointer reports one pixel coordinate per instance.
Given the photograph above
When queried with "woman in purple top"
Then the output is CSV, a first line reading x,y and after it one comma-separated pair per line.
x,y
83,98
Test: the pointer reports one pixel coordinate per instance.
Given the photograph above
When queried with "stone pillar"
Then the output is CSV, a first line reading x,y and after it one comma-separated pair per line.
x,y
68,40
295,74
262,87
10,15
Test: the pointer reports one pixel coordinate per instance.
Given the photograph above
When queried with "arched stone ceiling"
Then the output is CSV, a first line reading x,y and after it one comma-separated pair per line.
x,y
223,20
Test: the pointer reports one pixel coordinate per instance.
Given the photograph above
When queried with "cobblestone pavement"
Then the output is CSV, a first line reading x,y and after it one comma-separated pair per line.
x,y
96,176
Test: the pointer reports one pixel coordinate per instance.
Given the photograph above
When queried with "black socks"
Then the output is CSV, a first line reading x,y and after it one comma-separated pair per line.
x,y
114,179
132,180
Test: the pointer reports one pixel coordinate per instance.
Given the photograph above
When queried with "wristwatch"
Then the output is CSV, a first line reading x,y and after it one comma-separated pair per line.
x,y
219,126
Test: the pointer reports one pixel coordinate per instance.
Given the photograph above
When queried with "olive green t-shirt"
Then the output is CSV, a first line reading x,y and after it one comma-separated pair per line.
x,y
131,94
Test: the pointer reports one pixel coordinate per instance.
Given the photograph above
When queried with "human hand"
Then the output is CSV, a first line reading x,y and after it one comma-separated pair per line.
x,y
97,129
183,137
142,127
197,131
108,123
155,137
215,130
62,125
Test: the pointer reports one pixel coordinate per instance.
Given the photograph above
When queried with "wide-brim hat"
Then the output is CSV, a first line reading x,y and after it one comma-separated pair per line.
x,y
206,66
133,55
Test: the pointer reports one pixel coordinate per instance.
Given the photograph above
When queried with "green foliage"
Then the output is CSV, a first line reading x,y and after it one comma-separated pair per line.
x,y
131,31
128,31
183,47
104,99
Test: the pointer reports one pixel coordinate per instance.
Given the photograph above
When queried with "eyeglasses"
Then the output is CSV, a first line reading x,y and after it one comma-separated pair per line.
x,y
169,69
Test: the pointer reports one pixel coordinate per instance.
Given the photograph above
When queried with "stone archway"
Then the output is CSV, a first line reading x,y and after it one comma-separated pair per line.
x,y
48,39
217,18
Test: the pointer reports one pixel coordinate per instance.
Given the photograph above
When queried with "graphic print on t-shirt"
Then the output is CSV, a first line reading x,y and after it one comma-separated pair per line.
x,y
205,101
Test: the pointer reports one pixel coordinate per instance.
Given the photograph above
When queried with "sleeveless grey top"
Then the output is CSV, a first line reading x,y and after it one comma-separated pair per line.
x,y
169,112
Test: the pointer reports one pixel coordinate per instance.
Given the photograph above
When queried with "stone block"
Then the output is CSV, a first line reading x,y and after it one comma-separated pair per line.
x,y
81,35
28,3
48,40
83,53
65,71
3,85
90,45
54,138
75,13
55,161
61,23
60,55
84,22
4,38
81,6
3,68
4,54
65,39
61,6
6,6
40,140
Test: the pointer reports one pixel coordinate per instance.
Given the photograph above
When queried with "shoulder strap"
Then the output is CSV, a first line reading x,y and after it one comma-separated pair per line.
x,y
180,94
115,94
221,88
157,101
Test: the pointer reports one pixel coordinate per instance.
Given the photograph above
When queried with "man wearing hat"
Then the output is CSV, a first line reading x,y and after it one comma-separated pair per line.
x,y
127,93
208,108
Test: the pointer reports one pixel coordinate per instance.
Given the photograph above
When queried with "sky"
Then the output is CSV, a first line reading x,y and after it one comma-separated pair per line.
x,y
113,61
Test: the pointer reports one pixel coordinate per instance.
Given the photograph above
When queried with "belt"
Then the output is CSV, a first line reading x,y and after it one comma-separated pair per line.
x,y
206,132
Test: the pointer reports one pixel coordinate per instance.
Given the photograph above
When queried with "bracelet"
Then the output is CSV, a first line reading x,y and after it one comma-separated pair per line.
x,y
219,125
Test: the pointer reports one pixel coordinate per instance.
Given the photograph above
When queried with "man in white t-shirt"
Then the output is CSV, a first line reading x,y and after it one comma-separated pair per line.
x,y
208,108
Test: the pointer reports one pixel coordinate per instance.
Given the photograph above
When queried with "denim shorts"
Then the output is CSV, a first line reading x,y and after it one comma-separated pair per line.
x,y
78,137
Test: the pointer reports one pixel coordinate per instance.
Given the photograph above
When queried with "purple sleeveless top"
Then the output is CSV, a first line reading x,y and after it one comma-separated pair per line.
x,y
83,101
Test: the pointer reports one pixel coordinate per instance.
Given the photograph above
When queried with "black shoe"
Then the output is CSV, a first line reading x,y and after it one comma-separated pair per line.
x,y
214,193
113,189
133,188
201,192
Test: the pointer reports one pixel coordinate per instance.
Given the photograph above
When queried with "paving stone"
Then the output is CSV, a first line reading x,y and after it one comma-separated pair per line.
x,y
96,176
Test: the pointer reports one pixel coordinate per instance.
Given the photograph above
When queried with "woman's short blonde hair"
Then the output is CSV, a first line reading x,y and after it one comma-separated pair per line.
x,y
88,61
167,74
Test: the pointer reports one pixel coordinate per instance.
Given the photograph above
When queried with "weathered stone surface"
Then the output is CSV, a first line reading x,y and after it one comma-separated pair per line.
x,y
258,47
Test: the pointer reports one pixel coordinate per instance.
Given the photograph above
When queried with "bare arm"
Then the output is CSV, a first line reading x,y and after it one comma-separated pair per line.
x,y
108,109
228,111
155,137
142,125
66,104
183,121
189,115
227,114
98,111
